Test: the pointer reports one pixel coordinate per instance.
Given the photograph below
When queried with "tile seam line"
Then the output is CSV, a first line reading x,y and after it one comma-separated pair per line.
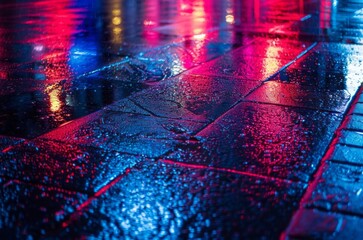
x,y
127,59
336,211
227,170
259,85
228,110
356,114
79,209
313,45
352,129
349,145
312,184
341,162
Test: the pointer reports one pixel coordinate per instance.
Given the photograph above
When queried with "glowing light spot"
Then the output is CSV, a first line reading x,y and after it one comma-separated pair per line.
x,y
116,12
38,48
177,67
184,6
359,192
117,30
54,93
199,36
199,13
3,75
272,63
273,52
116,21
198,31
230,19
149,23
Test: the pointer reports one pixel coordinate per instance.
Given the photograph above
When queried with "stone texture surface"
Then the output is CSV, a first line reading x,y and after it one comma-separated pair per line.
x,y
180,119
205,204
270,140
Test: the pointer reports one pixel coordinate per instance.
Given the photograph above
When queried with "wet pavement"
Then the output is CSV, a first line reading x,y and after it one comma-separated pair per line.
x,y
181,119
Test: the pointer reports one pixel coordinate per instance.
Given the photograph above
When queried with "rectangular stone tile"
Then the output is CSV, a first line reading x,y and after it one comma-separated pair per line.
x,y
314,224
351,138
348,154
64,165
339,189
358,108
301,96
355,123
263,139
124,132
341,69
32,212
238,66
194,97
321,78
167,200
360,100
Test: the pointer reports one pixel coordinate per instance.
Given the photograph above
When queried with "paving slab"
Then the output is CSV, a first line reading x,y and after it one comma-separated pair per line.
x,y
194,97
338,189
301,96
331,70
352,138
63,165
181,119
157,200
314,224
355,122
236,65
138,134
348,154
358,109
331,207
264,139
